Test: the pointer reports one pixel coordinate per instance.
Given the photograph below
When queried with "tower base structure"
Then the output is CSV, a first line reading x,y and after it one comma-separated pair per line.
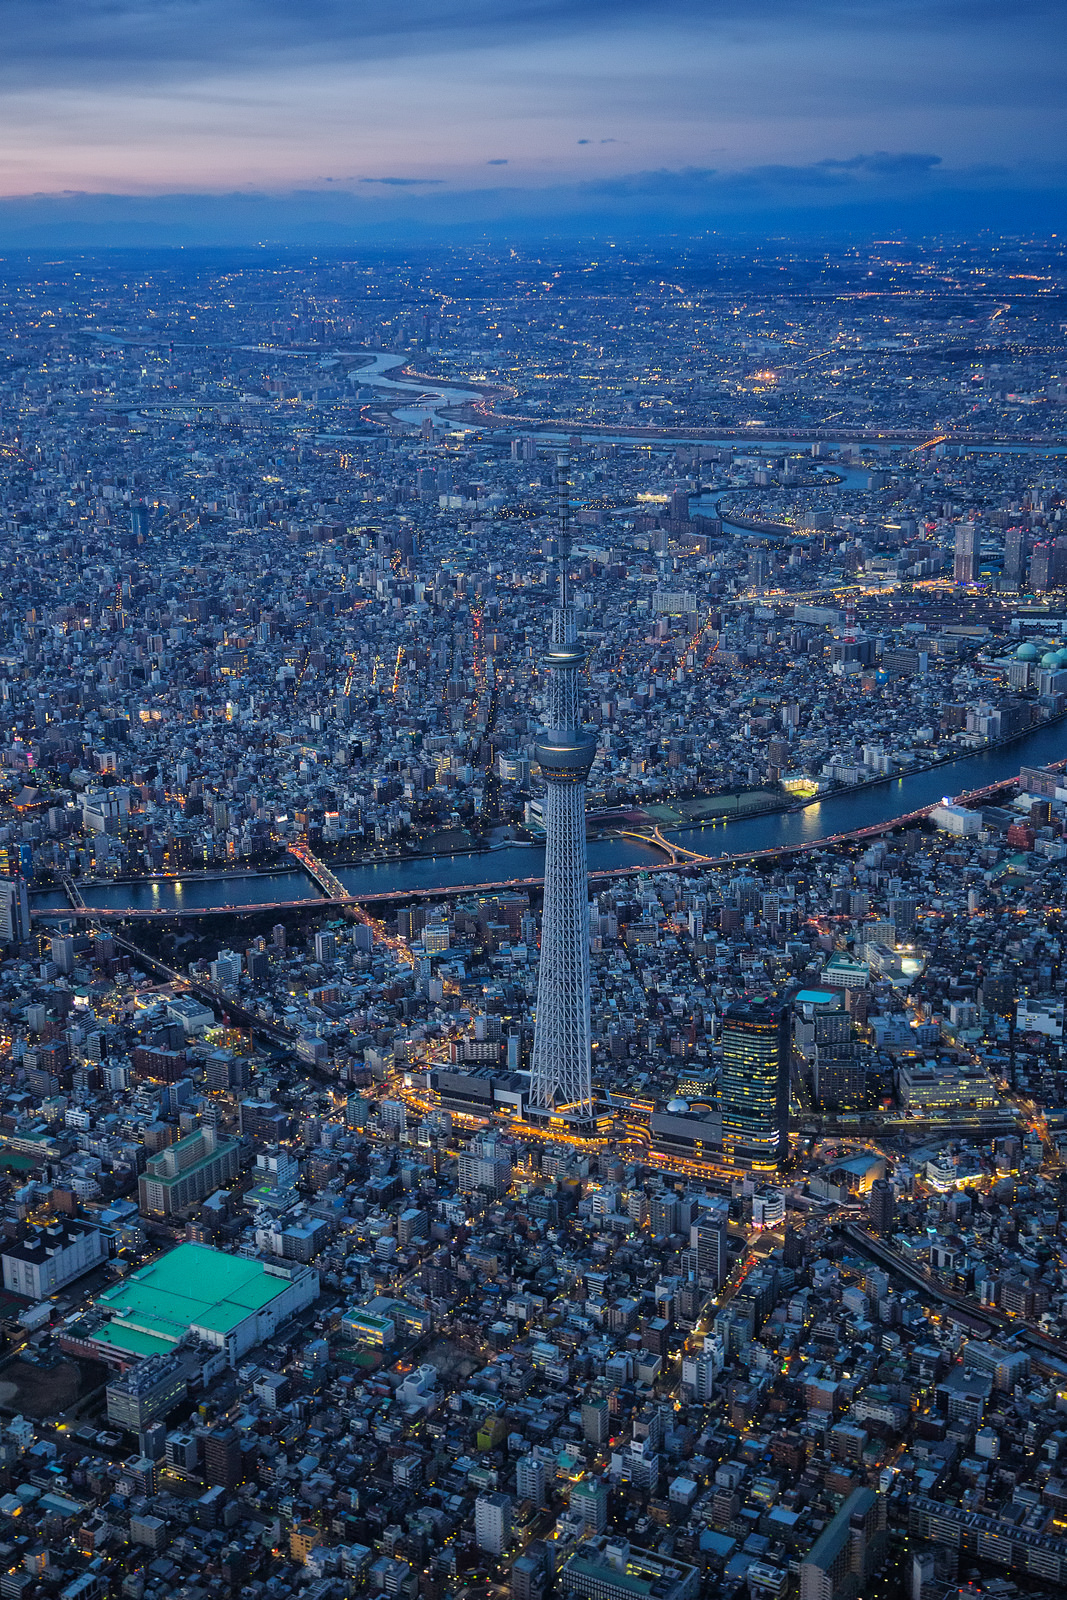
x,y
574,1122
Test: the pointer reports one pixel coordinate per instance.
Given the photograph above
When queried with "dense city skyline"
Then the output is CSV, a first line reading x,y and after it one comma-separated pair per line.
x,y
533,800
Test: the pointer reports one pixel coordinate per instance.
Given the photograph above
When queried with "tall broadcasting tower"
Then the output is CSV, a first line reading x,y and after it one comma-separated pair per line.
x,y
560,1074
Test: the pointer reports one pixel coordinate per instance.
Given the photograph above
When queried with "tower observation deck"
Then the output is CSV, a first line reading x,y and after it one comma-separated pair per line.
x,y
561,1076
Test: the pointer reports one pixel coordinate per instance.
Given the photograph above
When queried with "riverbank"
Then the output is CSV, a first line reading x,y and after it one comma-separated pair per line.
x,y
879,803
883,780
769,530
752,435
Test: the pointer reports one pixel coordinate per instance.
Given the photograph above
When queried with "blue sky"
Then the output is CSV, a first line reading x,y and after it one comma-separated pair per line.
x,y
304,121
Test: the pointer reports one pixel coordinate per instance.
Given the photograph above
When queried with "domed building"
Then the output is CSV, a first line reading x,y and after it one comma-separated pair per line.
x,y
1026,652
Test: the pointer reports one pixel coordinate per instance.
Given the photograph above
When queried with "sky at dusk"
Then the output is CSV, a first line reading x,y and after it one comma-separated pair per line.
x,y
304,121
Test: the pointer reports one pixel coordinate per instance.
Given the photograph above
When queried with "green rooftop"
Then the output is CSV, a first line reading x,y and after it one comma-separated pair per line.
x,y
132,1341
818,997
192,1286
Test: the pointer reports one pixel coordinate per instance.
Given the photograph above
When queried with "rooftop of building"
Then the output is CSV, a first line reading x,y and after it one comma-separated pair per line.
x,y
192,1286
39,1243
825,1550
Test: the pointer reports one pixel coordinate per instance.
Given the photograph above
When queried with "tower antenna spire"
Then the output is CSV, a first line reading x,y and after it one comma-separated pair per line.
x,y
563,546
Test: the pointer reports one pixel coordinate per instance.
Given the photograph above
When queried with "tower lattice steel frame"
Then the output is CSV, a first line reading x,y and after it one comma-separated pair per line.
x,y
561,1073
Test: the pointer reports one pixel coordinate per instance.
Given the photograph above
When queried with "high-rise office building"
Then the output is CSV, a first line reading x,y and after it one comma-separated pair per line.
x,y
532,1573
1016,544
492,1522
223,1457
596,1420
699,1373
759,569
881,1206
793,1248
1059,562
1041,568
14,911
530,1480
966,563
680,505
754,1093
589,1500
709,1239
903,910
560,1073
965,566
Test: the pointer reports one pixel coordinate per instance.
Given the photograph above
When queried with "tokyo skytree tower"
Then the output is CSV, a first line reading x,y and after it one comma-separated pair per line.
x,y
560,1070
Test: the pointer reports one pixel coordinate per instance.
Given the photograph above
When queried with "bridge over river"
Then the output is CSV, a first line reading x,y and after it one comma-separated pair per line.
x,y
661,854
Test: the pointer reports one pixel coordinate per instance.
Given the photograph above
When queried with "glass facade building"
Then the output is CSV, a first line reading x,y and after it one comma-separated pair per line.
x,y
754,1093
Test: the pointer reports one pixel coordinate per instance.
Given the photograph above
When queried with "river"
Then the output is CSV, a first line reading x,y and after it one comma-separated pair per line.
x,y
413,874
187,894
427,396
850,809
847,810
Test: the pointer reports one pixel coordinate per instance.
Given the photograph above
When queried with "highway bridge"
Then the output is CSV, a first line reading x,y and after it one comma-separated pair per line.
x,y
73,893
320,873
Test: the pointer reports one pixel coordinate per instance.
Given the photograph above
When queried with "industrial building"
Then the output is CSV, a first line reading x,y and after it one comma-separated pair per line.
x,y
230,1302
